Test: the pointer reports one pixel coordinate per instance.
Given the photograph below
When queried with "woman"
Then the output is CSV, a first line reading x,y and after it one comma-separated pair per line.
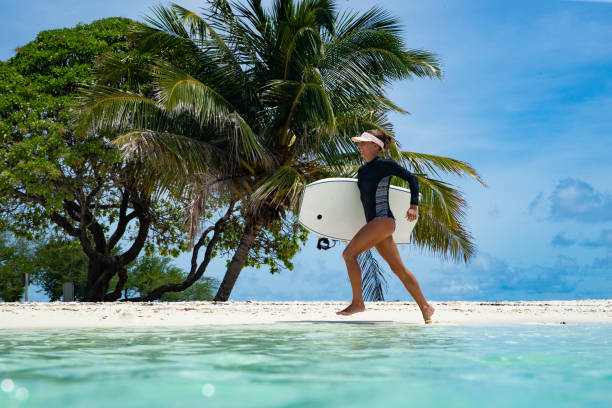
x,y
373,182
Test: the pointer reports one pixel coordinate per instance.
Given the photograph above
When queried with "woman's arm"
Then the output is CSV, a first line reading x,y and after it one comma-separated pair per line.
x,y
393,168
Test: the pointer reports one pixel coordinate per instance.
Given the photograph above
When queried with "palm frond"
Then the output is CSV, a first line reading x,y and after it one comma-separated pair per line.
x,y
181,167
132,71
321,13
440,227
247,143
250,28
355,121
337,153
423,64
374,19
447,240
282,187
446,203
205,35
303,48
301,102
170,162
373,283
102,107
302,45
379,53
198,197
180,36
180,92
368,52
347,171
432,164
166,19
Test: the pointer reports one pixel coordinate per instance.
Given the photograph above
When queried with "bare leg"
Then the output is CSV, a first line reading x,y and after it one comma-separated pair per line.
x,y
388,250
368,236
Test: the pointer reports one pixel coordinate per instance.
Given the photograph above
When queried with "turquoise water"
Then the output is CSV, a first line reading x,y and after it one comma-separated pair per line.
x,y
309,365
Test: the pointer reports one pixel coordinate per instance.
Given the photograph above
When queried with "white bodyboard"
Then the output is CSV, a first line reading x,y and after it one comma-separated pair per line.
x,y
332,208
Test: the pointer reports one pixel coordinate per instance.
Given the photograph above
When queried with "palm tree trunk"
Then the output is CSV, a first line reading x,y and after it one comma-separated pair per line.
x,y
251,230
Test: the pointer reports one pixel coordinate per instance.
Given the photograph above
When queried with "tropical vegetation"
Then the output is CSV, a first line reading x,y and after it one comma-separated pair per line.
x,y
250,105
52,180
52,261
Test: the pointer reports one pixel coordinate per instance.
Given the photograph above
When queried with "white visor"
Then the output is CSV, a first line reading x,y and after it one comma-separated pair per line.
x,y
368,137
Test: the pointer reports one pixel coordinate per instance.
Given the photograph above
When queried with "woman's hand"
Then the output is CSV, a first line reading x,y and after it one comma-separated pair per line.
x,y
412,212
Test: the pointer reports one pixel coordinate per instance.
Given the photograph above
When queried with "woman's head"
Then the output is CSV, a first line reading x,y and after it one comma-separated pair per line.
x,y
382,136
379,139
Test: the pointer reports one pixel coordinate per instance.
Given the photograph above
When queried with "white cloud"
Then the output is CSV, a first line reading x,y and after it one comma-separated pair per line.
x,y
577,200
491,278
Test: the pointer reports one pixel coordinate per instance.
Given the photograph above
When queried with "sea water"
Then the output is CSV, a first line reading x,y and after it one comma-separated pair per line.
x,y
309,365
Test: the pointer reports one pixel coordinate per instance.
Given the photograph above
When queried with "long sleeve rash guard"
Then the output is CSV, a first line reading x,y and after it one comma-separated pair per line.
x,y
373,181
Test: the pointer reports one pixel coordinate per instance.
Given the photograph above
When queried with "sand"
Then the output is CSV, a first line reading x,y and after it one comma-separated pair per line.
x,y
121,314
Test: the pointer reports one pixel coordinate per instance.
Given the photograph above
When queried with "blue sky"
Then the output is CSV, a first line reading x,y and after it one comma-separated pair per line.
x,y
526,99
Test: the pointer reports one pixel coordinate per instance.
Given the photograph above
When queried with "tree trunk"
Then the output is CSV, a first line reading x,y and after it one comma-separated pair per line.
x,y
196,271
116,294
93,292
98,279
251,230
103,266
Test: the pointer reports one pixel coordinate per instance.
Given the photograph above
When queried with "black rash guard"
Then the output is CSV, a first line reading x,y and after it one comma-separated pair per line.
x,y
373,181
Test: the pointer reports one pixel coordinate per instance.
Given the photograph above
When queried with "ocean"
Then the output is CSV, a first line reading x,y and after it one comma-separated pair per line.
x,y
314,364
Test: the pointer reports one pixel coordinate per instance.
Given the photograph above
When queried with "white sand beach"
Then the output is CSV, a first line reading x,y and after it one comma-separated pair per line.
x,y
122,314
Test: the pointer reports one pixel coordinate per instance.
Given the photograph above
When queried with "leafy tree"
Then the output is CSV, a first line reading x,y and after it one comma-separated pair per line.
x,y
15,262
53,261
52,177
146,274
253,104
57,261
274,246
50,262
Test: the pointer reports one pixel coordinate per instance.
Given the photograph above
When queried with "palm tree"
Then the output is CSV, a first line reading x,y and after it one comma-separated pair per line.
x,y
256,104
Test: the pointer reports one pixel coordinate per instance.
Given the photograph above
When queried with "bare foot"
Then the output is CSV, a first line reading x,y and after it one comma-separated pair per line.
x,y
352,309
428,311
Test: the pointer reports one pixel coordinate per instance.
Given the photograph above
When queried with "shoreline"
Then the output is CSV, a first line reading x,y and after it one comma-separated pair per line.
x,y
170,314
